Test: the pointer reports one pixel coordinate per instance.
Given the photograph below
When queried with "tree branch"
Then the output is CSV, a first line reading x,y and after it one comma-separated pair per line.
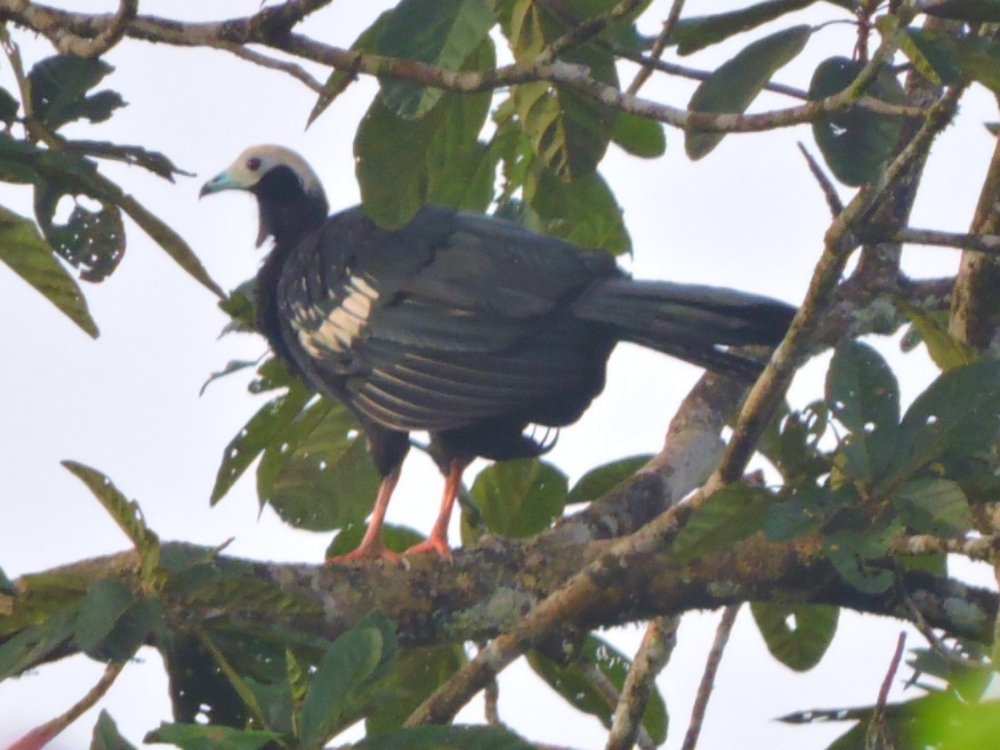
x,y
708,677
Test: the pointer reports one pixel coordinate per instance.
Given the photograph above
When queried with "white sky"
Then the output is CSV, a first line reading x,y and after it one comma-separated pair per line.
x,y
748,216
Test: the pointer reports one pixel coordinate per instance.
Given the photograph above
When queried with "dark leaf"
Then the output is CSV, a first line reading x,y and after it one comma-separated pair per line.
x,y
7,586
851,550
519,498
103,606
805,513
9,107
263,428
856,144
797,635
693,34
730,515
957,414
357,658
574,684
29,647
92,241
445,738
737,82
107,736
59,85
442,33
233,365
416,674
137,156
198,688
30,257
970,11
317,473
639,136
602,479
96,108
202,737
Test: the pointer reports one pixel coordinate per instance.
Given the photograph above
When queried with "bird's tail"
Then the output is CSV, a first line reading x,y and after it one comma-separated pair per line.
x,y
690,322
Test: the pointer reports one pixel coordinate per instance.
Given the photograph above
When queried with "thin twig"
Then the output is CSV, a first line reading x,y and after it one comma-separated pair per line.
x,y
708,678
39,736
825,184
296,71
658,47
653,654
875,734
982,548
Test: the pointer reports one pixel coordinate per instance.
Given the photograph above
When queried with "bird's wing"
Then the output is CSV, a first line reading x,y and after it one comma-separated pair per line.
x,y
452,319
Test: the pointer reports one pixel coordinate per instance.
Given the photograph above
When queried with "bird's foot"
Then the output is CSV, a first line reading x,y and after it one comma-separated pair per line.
x,y
435,543
366,552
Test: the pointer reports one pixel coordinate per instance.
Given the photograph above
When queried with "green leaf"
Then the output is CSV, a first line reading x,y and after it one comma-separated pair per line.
x,y
584,212
519,498
91,241
30,257
316,473
264,427
416,674
805,513
339,80
851,550
947,352
957,414
445,738
201,737
856,144
970,11
442,33
575,685
107,736
693,34
395,538
639,136
357,658
737,82
29,647
602,479
7,586
797,635
126,513
103,606
934,506
730,515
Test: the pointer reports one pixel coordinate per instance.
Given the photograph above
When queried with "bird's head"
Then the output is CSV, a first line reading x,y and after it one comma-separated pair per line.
x,y
287,189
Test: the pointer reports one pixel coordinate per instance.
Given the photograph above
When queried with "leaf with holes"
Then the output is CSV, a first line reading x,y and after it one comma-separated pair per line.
x,y
602,479
264,428
695,33
442,33
519,498
316,473
24,250
958,414
797,635
91,241
855,144
730,515
737,82
575,684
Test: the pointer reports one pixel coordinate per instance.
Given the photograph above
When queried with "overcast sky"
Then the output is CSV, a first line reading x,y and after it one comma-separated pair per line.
x,y
748,216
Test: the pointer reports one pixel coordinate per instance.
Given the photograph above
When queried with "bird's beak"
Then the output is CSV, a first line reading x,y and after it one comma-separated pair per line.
x,y
220,182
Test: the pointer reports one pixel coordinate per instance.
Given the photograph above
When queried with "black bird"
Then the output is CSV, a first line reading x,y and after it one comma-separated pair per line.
x,y
467,326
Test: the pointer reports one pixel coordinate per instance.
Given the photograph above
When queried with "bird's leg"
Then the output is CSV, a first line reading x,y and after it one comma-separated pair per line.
x,y
438,540
371,546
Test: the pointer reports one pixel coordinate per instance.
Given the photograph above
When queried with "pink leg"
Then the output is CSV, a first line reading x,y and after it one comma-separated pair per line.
x,y
371,546
438,540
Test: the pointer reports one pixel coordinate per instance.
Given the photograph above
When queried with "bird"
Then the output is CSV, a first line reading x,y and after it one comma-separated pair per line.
x,y
466,326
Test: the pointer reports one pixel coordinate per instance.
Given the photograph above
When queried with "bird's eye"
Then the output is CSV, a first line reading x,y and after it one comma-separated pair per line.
x,y
253,163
